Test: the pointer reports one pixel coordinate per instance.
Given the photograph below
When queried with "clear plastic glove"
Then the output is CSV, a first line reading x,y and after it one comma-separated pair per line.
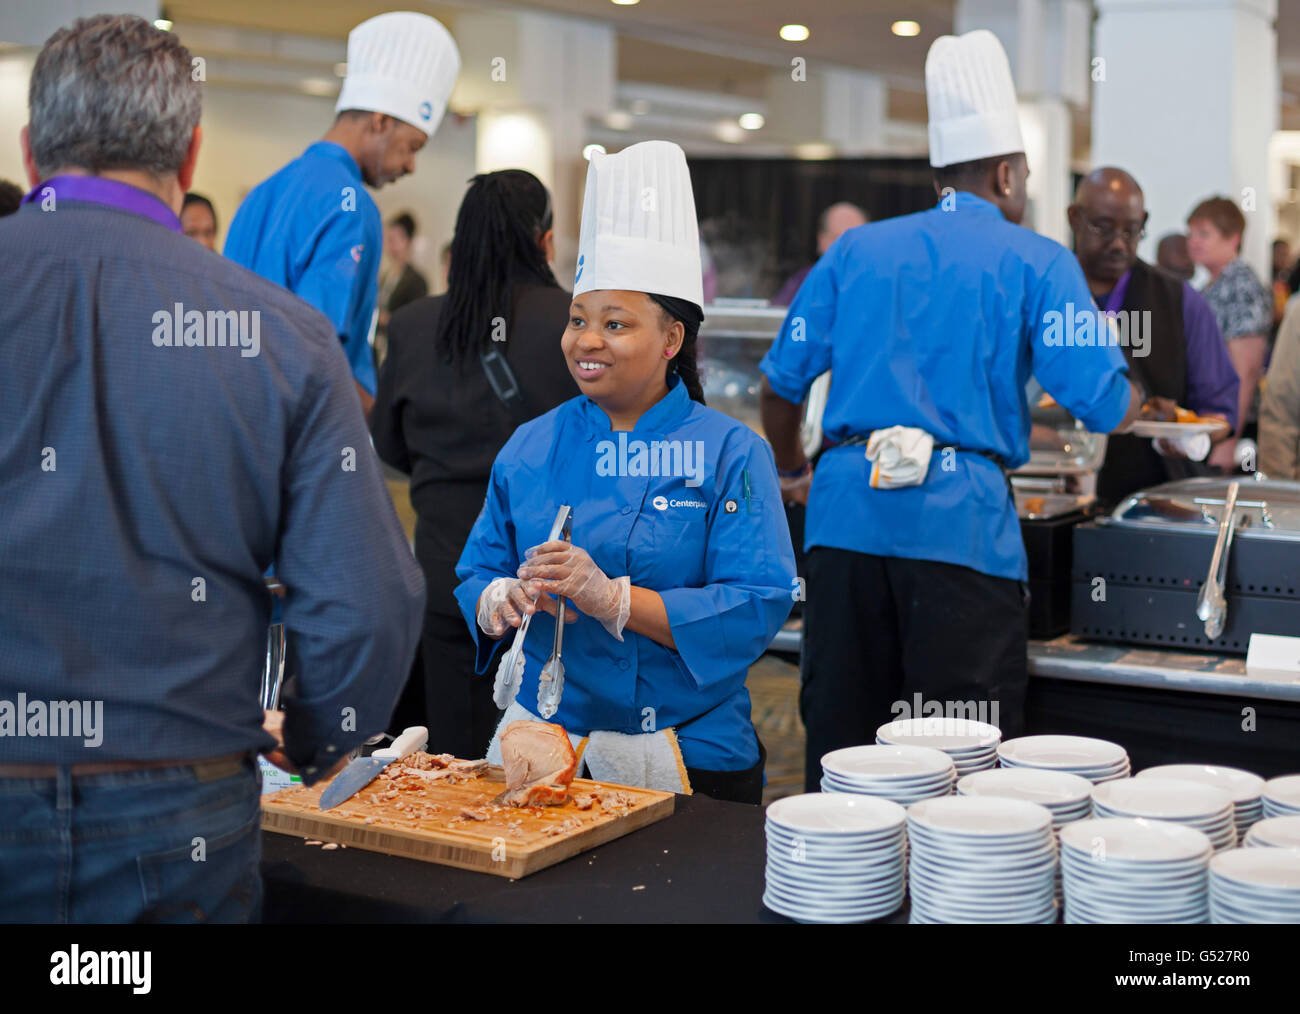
x,y
566,570
507,600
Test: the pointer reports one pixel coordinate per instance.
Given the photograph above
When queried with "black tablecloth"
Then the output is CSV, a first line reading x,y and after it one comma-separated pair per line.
x,y
704,864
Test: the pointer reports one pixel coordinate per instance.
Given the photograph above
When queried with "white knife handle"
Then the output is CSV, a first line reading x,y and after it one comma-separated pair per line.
x,y
413,738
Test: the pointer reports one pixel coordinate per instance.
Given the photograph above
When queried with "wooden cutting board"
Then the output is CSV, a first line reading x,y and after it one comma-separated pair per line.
x,y
512,842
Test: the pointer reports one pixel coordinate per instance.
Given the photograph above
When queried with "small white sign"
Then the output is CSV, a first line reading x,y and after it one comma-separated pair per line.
x,y
1273,653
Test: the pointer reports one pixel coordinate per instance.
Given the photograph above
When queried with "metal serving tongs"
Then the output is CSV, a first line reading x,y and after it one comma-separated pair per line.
x,y
1211,603
550,684
508,679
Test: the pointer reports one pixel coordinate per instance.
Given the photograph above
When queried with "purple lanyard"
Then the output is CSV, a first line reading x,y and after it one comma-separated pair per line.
x,y
97,190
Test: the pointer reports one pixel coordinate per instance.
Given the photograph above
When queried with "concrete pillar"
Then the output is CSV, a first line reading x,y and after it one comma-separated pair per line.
x,y
1047,46
1186,99
845,109
534,80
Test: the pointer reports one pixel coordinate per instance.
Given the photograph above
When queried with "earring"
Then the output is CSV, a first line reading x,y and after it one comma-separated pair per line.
x,y
1007,191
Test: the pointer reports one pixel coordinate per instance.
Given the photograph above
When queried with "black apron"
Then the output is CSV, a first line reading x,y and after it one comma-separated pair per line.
x,y
1132,463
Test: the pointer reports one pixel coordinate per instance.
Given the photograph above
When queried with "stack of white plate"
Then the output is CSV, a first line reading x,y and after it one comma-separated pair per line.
x,y
835,858
1282,796
971,745
1244,787
980,859
1123,870
1195,804
1097,760
1275,832
1255,885
1067,797
904,774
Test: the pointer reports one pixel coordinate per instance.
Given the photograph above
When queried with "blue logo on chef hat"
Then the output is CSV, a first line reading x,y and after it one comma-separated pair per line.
x,y
426,111
581,258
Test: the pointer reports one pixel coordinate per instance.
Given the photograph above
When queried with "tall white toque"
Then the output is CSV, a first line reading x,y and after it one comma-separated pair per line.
x,y
639,231
402,64
971,98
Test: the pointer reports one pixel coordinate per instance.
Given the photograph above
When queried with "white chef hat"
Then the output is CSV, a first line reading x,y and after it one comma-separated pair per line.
x,y
402,64
971,99
639,231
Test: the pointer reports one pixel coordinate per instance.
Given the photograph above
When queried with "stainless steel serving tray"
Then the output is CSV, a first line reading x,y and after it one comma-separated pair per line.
x,y
1266,508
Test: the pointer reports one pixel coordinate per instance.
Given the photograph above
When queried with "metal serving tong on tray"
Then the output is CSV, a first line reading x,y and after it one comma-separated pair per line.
x,y
1211,602
510,675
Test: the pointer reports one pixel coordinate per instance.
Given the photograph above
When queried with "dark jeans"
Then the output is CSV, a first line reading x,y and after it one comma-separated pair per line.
x,y
880,629
138,846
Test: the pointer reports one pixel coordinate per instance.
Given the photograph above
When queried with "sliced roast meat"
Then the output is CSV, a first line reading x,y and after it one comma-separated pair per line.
x,y
539,764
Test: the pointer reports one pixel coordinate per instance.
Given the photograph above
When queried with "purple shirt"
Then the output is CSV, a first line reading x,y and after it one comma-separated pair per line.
x,y
97,190
1212,382
791,287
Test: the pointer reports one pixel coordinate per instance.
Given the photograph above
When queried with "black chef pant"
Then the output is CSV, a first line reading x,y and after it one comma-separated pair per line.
x,y
444,694
880,629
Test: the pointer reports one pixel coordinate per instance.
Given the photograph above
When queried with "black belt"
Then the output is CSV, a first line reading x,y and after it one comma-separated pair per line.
x,y
861,439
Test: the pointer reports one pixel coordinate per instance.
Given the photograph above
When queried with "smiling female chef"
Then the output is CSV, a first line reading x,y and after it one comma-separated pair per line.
x,y
681,568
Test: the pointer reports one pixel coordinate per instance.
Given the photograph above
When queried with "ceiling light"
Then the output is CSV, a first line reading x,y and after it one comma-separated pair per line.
x,y
794,33
163,25
618,119
591,149
626,3
752,121
729,132
907,29
318,86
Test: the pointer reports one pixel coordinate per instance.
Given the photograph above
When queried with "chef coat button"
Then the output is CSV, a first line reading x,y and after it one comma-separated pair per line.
x,y
627,509
623,663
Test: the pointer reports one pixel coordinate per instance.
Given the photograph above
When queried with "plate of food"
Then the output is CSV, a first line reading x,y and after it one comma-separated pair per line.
x,y
1162,418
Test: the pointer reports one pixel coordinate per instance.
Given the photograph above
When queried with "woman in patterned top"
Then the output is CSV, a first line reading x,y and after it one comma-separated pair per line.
x,y
1240,303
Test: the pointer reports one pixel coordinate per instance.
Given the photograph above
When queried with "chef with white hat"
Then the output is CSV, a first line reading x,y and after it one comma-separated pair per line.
x,y
931,325
312,227
680,569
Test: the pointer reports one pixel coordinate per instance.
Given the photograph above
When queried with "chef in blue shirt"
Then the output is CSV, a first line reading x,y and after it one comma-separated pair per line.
x,y
680,568
312,227
931,324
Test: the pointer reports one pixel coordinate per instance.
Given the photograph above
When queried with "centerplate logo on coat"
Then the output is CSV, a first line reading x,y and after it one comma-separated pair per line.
x,y
677,458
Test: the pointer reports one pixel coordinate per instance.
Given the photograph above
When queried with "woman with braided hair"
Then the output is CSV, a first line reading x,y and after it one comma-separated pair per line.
x,y
463,370
678,569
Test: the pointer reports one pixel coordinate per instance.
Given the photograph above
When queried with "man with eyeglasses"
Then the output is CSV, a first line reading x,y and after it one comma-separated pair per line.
x,y
1180,358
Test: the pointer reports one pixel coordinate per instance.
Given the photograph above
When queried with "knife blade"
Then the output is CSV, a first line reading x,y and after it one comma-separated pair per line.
x,y
364,770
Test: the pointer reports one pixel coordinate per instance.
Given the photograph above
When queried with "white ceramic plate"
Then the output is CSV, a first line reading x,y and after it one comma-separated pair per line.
x,y
1136,840
1270,869
946,734
1163,799
1284,790
1275,832
888,763
1154,428
1053,789
1243,786
835,814
1063,752
979,816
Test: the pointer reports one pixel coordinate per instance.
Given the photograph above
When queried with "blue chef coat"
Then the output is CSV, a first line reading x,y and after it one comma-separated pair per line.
x,y
719,554
936,320
314,229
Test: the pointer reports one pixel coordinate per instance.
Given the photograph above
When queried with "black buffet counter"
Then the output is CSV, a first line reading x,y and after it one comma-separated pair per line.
x,y
1166,707
703,864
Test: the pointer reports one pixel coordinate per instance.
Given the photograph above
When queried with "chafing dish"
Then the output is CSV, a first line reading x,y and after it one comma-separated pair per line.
x,y
1140,574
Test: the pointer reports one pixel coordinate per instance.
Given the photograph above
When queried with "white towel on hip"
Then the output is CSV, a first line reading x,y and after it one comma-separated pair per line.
x,y
899,456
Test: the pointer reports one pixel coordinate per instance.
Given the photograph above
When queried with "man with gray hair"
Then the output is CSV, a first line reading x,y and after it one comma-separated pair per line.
x,y
170,423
